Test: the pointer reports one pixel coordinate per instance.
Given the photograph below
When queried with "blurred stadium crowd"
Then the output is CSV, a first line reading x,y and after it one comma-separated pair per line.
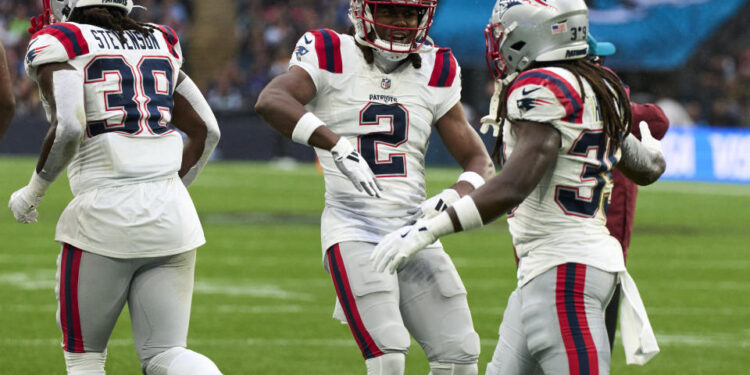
x,y
713,89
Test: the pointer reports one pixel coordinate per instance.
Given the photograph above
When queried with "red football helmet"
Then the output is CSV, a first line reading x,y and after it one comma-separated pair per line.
x,y
364,16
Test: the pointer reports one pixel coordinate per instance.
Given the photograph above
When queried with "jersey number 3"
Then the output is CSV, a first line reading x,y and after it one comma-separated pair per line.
x,y
142,94
373,114
568,197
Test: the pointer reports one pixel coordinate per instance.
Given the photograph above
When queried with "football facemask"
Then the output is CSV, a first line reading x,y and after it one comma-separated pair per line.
x,y
397,41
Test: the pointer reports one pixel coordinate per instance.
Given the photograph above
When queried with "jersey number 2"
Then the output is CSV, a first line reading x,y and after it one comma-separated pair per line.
x,y
373,114
143,95
568,197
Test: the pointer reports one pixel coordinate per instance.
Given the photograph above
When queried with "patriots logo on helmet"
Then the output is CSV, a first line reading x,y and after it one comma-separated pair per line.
x,y
385,84
527,104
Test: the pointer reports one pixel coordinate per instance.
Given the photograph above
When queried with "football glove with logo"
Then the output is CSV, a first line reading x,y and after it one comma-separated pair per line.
x,y
434,205
401,244
355,168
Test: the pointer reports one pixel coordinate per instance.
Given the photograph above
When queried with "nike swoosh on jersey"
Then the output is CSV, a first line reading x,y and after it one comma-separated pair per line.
x,y
405,234
530,91
307,41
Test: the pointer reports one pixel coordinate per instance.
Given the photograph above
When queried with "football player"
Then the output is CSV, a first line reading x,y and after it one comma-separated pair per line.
x,y
367,102
564,123
7,100
111,87
624,192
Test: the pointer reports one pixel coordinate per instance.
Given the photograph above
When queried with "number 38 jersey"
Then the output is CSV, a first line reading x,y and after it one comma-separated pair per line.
x,y
128,90
563,219
388,117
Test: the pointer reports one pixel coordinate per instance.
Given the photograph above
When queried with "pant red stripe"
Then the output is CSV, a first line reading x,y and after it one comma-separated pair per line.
x,y
346,298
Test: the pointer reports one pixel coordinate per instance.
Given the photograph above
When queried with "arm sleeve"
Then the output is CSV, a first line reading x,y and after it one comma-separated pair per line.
x,y
188,89
70,114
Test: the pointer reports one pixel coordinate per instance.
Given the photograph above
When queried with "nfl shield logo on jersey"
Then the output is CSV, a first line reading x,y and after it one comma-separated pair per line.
x,y
385,84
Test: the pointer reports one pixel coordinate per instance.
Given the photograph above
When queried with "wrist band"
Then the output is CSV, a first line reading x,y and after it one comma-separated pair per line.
x,y
37,185
450,195
467,213
305,127
471,177
440,225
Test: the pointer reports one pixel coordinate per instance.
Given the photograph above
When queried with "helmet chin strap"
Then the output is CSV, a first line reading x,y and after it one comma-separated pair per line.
x,y
388,61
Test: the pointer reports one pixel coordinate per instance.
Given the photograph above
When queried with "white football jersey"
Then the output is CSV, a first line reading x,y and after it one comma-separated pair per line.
x,y
388,117
128,90
563,219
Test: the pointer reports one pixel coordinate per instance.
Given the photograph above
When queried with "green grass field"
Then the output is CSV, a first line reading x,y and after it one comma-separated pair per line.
x,y
263,302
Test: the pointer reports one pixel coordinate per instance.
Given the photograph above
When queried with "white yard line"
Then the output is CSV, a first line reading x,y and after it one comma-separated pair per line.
x,y
665,340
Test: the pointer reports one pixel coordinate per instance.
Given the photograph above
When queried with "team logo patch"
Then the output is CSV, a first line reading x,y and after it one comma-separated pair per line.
x,y
300,51
385,84
33,52
560,27
527,104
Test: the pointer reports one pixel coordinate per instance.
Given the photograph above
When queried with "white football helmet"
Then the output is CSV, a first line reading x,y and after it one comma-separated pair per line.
x,y
363,14
524,31
61,9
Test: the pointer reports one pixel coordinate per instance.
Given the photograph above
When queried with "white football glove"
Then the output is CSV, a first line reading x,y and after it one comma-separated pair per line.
x,y
648,141
23,204
401,244
434,205
354,167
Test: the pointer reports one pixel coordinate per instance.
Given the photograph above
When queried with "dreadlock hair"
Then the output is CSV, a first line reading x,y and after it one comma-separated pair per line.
x,y
610,94
369,53
114,19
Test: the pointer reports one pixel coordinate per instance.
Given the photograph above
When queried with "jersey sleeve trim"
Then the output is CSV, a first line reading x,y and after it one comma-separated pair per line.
x,y
444,71
170,36
328,49
70,37
563,90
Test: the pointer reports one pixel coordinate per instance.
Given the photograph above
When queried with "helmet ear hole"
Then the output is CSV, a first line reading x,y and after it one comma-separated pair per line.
x,y
518,46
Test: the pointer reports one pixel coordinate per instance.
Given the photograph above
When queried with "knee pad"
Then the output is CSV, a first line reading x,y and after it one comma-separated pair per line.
x,y
437,368
391,338
386,364
180,361
85,363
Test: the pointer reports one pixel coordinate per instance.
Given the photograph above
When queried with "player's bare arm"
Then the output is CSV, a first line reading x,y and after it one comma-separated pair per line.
x,y
193,116
642,161
7,100
535,152
466,147
281,104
